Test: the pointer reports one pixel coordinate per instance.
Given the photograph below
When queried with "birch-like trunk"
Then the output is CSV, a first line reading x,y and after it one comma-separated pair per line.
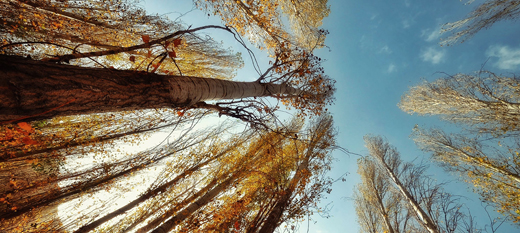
x,y
385,155
34,90
423,217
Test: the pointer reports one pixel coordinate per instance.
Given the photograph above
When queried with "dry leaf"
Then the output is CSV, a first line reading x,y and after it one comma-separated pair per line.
x,y
177,42
25,126
29,141
146,38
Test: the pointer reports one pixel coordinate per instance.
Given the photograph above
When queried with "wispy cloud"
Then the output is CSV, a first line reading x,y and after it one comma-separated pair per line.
x,y
385,49
406,23
391,68
508,58
433,55
431,34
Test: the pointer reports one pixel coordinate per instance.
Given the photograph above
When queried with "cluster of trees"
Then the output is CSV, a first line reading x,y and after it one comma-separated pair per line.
x,y
82,80
395,196
398,196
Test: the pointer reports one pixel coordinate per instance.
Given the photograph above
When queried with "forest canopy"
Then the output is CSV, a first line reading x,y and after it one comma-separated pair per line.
x,y
84,82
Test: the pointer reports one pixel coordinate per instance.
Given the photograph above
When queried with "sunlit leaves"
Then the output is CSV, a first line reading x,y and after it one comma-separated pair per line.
x,y
485,156
264,24
79,159
493,171
486,102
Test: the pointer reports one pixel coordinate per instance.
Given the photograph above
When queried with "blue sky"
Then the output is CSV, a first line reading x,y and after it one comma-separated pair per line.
x,y
378,49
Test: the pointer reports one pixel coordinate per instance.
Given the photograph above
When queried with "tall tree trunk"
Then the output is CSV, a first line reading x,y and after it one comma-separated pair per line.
x,y
63,194
423,216
383,211
319,132
32,90
190,209
151,193
386,156
274,217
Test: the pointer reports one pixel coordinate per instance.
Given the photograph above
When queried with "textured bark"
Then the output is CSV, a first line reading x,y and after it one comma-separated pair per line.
x,y
33,90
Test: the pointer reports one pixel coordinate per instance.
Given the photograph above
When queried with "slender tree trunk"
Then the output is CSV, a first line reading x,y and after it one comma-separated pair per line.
x,y
318,134
423,217
33,90
150,194
276,214
62,194
382,210
485,164
190,209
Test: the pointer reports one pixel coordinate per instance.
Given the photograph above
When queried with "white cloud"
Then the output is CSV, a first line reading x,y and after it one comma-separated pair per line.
x,y
431,34
508,58
405,23
385,49
433,55
391,68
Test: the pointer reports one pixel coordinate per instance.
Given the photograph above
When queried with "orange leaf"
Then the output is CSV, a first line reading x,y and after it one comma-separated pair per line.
x,y
29,141
146,38
180,113
8,135
26,127
172,54
12,183
155,66
132,58
237,225
177,42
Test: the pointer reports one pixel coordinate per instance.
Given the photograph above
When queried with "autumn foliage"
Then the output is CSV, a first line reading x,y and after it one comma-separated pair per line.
x,y
70,152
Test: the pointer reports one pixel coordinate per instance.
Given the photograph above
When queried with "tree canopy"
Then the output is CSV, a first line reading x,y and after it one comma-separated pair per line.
x,y
485,153
83,81
482,17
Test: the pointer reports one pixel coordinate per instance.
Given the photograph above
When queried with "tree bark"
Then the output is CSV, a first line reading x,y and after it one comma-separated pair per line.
x,y
35,90
423,217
